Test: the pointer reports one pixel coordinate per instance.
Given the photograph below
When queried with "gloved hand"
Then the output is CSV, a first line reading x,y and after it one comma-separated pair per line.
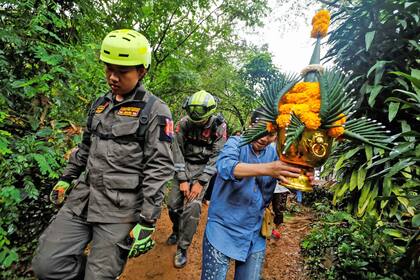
x,y
143,241
59,191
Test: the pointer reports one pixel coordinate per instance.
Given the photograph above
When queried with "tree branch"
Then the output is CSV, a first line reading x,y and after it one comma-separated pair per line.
x,y
158,61
165,31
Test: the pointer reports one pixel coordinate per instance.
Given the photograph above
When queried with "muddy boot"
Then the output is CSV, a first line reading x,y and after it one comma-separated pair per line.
x,y
172,239
180,259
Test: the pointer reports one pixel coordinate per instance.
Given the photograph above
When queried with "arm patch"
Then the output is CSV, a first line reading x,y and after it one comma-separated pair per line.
x,y
166,129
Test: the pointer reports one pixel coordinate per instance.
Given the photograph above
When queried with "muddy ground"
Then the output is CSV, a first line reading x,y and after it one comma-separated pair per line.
x,y
283,260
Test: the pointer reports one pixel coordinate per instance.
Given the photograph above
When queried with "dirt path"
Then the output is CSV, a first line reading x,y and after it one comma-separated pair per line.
x,y
283,260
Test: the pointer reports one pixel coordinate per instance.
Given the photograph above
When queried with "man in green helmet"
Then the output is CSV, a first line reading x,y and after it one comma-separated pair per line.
x,y
198,139
120,169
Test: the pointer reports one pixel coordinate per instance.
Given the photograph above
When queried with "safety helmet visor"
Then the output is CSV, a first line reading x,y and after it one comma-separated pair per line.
x,y
197,112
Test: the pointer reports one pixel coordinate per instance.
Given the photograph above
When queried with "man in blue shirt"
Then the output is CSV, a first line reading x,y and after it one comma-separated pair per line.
x,y
246,178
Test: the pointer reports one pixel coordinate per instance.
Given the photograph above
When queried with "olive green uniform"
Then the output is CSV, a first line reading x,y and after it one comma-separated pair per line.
x,y
195,151
123,181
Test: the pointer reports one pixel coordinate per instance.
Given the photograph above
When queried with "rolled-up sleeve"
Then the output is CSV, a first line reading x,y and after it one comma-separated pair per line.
x,y
228,158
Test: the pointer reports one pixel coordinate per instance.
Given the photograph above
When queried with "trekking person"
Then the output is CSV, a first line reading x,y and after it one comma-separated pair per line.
x,y
246,178
121,167
279,206
199,136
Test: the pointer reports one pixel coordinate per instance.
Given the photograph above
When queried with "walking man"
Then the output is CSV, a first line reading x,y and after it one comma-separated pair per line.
x,y
121,167
198,139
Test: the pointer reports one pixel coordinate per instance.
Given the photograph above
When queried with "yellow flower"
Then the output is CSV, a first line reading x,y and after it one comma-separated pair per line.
x,y
311,120
304,100
315,106
285,108
283,120
300,109
320,24
336,132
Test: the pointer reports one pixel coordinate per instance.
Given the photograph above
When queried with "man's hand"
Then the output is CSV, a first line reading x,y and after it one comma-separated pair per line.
x,y
184,187
310,174
195,191
143,241
58,193
280,170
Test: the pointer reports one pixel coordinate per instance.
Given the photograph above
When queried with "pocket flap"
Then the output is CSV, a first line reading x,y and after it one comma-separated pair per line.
x,y
117,181
125,128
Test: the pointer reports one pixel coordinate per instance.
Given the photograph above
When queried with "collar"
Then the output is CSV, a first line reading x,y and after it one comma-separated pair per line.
x,y
136,94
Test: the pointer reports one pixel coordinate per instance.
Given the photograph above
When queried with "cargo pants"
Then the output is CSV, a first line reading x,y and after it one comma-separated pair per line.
x,y
61,250
185,215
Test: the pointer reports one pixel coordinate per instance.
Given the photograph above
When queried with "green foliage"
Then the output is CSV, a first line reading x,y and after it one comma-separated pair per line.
x,y
342,247
384,40
379,187
49,74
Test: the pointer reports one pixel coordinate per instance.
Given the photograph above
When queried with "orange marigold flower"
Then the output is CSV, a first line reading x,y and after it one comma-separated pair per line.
x,y
285,108
304,100
320,24
300,109
336,132
315,106
283,120
311,120
271,127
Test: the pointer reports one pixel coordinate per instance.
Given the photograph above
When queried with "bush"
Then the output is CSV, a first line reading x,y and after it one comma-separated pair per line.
x,y
342,247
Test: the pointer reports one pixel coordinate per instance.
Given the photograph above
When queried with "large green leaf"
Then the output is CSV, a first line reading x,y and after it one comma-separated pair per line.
x,y
416,221
369,38
393,110
373,94
414,80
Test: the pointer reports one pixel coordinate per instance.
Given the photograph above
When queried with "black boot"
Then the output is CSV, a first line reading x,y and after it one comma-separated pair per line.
x,y
172,239
180,259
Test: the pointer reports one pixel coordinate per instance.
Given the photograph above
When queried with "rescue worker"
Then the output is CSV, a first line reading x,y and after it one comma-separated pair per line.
x,y
121,167
198,139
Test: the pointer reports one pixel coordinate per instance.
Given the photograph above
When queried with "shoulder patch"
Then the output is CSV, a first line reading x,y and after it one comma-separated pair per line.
x,y
101,108
166,129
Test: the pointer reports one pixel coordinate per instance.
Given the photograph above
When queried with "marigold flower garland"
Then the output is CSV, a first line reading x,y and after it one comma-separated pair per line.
x,y
304,100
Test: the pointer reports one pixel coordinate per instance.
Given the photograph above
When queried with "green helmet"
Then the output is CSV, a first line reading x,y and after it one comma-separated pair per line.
x,y
126,47
200,106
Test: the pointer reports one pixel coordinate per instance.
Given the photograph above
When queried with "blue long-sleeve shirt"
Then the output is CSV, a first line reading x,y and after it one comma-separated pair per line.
x,y
237,205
